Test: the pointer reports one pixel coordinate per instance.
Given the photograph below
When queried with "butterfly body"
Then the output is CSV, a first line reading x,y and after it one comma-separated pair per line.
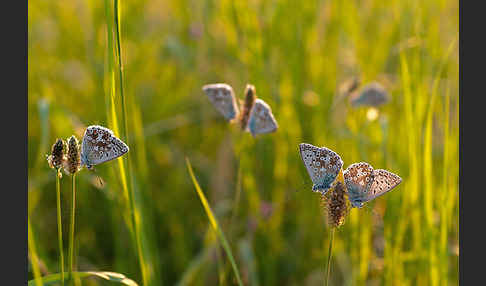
x,y
364,183
322,164
100,145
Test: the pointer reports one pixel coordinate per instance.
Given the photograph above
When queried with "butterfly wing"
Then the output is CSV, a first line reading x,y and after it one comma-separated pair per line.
x,y
100,145
358,178
383,182
322,164
261,119
223,98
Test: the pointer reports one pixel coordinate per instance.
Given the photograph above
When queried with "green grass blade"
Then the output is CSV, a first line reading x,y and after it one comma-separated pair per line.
x,y
33,256
134,209
109,276
214,222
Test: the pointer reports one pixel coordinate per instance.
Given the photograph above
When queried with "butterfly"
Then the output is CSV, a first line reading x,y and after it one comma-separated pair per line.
x,y
372,94
364,183
100,145
323,166
256,116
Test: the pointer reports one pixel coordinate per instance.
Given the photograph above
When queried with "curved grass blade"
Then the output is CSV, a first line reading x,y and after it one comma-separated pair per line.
x,y
214,222
197,263
127,173
53,279
33,256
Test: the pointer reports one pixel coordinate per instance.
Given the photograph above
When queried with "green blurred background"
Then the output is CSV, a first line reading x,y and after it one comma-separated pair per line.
x,y
297,54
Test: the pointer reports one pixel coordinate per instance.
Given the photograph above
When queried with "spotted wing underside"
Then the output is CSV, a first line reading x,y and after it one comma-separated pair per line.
x,y
223,99
322,164
100,145
261,118
364,184
358,178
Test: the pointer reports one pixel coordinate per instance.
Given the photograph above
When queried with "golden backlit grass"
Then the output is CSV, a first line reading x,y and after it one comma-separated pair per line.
x,y
146,220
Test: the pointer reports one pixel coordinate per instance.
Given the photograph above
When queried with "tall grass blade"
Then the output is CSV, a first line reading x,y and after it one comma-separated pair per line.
x,y
428,173
214,223
124,163
33,256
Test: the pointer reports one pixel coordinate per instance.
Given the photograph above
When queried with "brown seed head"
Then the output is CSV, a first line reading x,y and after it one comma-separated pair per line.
x,y
337,206
57,156
250,97
73,161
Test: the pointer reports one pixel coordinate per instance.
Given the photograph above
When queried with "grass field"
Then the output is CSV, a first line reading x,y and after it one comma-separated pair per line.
x,y
146,219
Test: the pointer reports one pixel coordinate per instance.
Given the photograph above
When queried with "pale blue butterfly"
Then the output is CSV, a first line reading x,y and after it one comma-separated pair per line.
x,y
364,184
260,120
322,164
100,145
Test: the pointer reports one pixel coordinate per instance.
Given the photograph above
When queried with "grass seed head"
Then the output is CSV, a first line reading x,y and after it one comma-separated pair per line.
x,y
336,205
73,161
57,157
250,97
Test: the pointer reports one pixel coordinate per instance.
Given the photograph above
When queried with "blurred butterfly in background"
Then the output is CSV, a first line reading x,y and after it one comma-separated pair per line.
x,y
322,164
100,145
256,115
364,184
373,94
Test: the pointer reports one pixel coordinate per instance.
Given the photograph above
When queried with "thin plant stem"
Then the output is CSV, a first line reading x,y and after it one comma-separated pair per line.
x,y
59,225
71,232
237,198
329,254
214,224
236,202
221,266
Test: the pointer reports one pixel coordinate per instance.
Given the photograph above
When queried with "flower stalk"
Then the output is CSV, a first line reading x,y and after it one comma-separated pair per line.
x,y
337,208
56,160
72,166
329,255
59,224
